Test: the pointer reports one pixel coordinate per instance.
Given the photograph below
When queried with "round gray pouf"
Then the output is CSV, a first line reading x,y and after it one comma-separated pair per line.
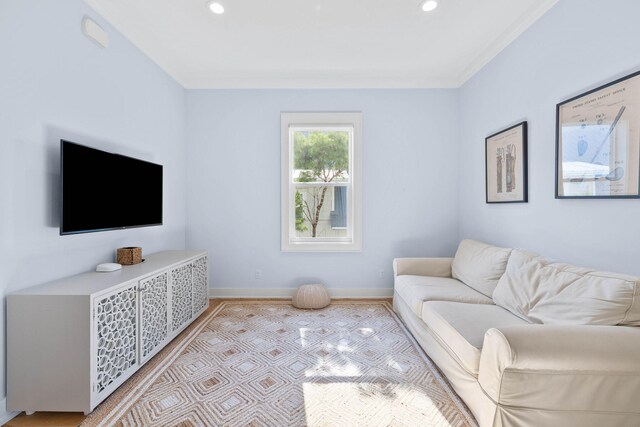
x,y
311,296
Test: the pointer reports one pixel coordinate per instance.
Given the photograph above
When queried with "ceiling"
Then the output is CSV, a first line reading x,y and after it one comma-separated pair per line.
x,y
321,43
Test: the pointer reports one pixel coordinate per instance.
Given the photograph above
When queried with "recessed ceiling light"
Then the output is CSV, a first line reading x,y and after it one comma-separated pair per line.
x,y
216,8
429,5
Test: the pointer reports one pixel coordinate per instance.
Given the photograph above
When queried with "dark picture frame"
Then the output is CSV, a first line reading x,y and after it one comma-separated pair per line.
x,y
598,142
506,165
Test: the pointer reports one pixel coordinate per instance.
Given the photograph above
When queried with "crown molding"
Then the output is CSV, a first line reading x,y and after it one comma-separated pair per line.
x,y
319,81
536,11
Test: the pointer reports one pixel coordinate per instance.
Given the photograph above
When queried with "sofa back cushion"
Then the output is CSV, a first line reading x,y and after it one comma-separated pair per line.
x,y
542,291
479,265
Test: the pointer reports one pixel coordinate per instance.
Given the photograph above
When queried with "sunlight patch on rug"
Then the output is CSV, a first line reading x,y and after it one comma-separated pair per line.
x,y
370,404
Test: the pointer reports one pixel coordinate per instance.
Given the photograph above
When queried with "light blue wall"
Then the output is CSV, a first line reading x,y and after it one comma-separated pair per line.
x,y
233,195
55,83
576,46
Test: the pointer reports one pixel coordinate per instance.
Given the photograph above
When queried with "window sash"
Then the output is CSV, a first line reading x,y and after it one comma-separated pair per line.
x,y
323,122
294,185
319,184
292,219
321,128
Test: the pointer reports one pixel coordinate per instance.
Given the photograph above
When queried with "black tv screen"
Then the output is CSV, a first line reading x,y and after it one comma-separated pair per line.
x,y
105,191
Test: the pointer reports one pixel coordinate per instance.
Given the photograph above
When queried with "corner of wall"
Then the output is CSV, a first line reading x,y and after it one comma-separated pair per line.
x,y
5,416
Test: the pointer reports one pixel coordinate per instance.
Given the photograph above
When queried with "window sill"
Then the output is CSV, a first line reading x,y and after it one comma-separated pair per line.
x,y
321,247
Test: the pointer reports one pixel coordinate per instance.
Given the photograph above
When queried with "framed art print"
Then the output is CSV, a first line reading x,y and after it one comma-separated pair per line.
x,y
506,165
598,142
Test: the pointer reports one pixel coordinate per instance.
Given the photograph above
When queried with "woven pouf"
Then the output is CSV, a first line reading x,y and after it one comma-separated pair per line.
x,y
311,296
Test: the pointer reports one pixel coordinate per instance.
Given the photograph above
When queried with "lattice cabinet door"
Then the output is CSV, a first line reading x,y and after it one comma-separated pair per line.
x,y
181,296
115,338
200,285
154,314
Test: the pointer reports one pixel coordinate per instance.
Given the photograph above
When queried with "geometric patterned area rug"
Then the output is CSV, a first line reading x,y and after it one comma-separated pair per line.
x,y
266,363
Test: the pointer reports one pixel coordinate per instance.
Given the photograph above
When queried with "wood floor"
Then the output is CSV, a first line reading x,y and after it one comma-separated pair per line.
x,y
47,419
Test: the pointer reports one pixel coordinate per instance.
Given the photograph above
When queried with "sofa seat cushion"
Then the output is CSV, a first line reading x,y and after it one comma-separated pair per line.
x,y
415,290
542,291
479,265
460,328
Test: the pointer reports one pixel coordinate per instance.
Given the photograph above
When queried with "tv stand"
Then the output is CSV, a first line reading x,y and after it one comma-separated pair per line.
x,y
72,342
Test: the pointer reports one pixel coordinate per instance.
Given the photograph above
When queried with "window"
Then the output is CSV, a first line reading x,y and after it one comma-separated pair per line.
x,y
321,181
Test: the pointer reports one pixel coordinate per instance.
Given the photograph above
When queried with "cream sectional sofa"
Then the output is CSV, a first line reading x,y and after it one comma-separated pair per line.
x,y
525,341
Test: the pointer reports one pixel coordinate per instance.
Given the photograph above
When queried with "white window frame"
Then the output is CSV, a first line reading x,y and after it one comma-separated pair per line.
x,y
289,241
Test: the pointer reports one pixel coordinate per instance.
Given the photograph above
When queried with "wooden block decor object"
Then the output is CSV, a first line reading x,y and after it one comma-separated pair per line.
x,y
312,296
129,256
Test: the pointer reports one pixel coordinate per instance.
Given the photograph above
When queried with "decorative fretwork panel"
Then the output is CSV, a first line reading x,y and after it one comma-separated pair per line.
x,y
181,295
154,312
200,288
115,318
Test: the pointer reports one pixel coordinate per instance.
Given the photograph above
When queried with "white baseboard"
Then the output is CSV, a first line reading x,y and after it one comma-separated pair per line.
x,y
5,416
288,293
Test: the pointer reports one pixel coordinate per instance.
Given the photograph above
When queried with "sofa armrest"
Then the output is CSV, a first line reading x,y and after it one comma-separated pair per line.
x,y
563,367
437,267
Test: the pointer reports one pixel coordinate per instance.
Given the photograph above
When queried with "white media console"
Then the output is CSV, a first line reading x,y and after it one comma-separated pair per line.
x,y
72,342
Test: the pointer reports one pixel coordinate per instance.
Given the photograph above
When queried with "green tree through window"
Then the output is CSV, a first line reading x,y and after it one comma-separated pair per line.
x,y
319,156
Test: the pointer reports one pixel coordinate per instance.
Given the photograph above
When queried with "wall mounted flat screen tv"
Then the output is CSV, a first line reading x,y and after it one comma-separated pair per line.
x,y
105,191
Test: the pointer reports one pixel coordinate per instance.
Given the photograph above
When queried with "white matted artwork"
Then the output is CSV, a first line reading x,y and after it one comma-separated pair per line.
x,y
598,142
506,165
